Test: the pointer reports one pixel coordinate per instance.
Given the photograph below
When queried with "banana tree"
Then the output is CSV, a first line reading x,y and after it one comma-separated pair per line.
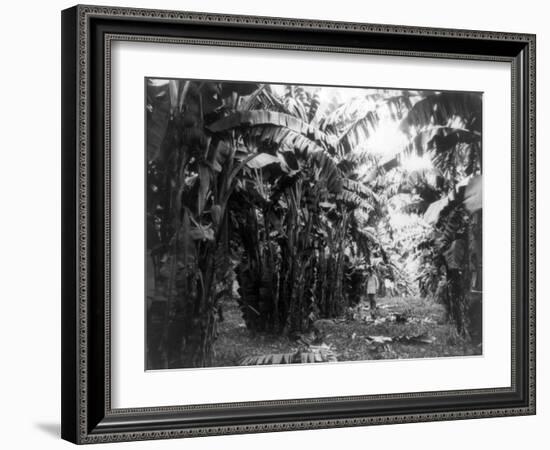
x,y
446,126
301,207
191,176
278,226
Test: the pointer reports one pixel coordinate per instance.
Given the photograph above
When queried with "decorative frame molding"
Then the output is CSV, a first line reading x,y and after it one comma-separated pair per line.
x,y
88,31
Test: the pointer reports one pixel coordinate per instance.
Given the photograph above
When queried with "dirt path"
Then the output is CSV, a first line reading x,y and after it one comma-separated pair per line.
x,y
403,328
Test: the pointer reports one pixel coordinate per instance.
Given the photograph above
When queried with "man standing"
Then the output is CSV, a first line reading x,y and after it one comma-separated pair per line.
x,y
372,289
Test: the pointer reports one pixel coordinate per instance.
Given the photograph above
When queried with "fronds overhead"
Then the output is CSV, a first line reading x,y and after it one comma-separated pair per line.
x,y
439,139
360,189
273,131
272,118
354,201
446,125
441,109
356,122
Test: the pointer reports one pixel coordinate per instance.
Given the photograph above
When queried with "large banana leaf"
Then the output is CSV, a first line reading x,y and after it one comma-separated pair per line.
x,y
315,356
455,254
303,149
263,117
361,189
262,160
352,161
354,201
239,87
473,198
431,215
282,138
358,133
441,108
314,106
357,122
158,115
439,139
268,128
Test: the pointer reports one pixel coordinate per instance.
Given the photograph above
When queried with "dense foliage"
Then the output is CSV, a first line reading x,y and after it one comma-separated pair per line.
x,y
271,196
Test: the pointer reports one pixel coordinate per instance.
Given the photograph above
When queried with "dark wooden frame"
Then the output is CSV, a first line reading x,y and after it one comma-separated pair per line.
x,y
87,32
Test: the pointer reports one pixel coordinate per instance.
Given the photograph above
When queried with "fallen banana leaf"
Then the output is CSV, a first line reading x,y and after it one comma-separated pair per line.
x,y
404,339
418,339
379,339
318,353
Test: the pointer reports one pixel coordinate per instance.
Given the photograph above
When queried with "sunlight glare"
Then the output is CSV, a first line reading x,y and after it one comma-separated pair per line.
x,y
388,139
414,163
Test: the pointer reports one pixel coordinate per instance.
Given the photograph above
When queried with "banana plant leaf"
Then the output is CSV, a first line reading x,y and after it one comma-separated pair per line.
x,y
431,215
263,117
455,254
473,198
440,108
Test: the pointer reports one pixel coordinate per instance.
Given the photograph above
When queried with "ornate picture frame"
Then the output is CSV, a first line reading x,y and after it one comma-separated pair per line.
x,y
88,33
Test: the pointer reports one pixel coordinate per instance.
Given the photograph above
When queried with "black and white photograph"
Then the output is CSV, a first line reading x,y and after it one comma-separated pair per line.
x,y
298,224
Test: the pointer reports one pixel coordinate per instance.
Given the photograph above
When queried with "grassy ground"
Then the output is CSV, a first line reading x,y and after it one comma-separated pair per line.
x,y
402,328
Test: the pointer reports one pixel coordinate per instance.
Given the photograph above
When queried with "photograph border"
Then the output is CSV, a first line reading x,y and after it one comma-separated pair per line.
x,y
87,35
